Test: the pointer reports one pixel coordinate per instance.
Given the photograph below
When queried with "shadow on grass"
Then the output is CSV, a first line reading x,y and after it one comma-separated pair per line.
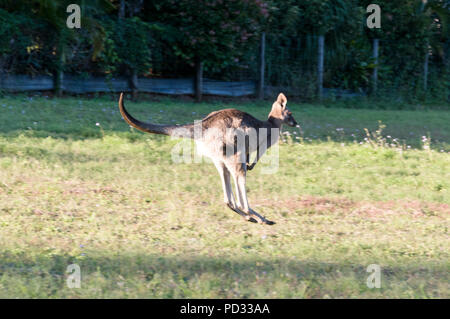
x,y
172,273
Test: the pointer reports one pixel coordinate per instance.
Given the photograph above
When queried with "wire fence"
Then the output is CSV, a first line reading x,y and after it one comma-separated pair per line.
x,y
290,66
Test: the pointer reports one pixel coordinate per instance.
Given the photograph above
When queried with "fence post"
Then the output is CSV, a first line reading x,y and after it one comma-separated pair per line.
x,y
198,80
59,72
320,53
375,69
425,68
261,66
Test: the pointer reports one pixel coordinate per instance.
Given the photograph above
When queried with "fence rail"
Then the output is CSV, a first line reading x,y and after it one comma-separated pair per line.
x,y
73,84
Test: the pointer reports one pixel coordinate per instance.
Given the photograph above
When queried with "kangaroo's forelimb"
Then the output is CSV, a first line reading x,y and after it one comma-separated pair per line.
x,y
261,148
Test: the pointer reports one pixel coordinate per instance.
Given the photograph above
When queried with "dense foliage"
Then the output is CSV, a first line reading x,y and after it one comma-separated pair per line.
x,y
165,38
121,38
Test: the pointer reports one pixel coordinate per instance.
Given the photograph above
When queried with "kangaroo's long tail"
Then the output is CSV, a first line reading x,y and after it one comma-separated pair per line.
x,y
171,130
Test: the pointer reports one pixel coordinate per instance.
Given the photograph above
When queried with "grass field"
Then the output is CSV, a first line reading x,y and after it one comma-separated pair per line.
x,y
110,200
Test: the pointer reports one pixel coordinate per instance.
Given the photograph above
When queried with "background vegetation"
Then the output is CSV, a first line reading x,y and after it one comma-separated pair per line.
x,y
169,38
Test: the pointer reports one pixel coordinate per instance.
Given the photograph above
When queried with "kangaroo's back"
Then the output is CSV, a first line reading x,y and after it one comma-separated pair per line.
x,y
231,118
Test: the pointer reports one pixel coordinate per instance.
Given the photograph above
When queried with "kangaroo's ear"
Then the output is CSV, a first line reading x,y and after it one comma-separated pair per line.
x,y
282,99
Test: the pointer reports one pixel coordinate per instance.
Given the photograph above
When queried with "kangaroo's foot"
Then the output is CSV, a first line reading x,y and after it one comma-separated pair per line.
x,y
261,219
246,216
250,219
269,222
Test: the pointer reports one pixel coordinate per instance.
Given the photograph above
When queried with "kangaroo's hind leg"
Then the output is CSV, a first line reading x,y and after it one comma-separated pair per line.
x,y
239,175
228,196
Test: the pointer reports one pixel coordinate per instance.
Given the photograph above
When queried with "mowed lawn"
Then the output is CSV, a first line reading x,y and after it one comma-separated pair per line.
x,y
111,200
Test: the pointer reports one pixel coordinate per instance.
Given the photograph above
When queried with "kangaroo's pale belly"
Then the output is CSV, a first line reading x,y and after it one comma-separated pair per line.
x,y
213,143
201,148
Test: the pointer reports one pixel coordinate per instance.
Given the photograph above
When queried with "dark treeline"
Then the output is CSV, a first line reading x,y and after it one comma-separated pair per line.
x,y
221,39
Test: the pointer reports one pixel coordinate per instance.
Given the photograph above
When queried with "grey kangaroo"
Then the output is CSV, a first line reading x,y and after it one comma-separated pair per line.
x,y
228,137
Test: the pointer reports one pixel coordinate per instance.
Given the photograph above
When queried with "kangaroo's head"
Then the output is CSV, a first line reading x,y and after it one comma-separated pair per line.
x,y
281,113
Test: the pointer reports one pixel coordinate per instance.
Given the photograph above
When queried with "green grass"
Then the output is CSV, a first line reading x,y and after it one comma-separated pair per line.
x,y
110,200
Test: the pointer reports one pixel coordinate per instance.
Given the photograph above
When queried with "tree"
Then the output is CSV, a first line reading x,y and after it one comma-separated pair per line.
x,y
328,22
126,48
54,15
133,7
328,19
210,34
434,16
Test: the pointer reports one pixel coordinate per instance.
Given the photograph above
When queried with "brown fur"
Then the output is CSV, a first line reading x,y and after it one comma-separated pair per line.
x,y
220,131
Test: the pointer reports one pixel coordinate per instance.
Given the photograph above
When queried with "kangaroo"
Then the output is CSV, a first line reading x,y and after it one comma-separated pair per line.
x,y
228,137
